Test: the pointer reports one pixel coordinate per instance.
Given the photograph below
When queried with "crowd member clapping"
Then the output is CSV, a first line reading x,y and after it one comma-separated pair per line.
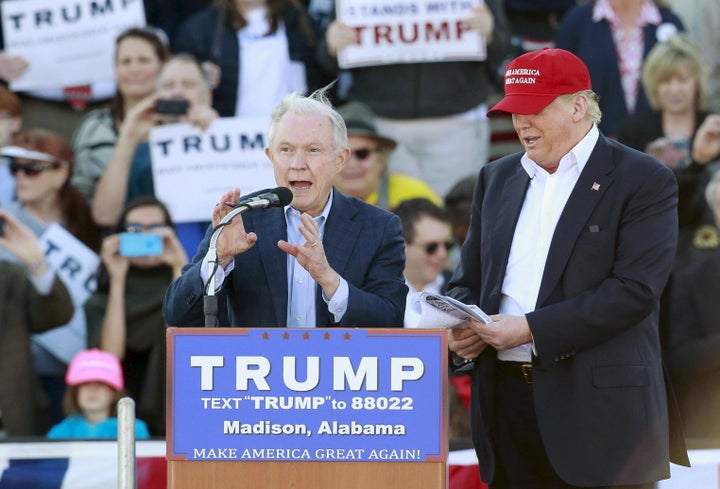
x,y
32,300
124,316
676,86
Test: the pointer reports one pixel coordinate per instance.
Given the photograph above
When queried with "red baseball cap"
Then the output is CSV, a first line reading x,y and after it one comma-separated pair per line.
x,y
533,80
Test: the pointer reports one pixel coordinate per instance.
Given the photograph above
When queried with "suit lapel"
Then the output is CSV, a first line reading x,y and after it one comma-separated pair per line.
x,y
505,221
594,181
270,229
338,240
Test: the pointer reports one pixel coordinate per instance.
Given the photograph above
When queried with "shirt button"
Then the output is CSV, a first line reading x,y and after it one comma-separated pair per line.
x,y
297,319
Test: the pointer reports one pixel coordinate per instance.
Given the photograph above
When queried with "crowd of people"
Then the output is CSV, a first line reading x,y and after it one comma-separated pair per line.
x,y
598,243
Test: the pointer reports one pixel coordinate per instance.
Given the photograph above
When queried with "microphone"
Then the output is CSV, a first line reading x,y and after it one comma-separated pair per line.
x,y
277,197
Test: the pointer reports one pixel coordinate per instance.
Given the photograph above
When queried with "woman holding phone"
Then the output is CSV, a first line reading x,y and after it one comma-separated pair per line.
x,y
124,316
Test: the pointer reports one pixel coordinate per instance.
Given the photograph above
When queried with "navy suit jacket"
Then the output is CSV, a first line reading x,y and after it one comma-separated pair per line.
x,y
363,243
598,382
593,43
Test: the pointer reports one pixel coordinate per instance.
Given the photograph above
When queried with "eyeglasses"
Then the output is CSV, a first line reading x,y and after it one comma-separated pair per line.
x,y
133,227
363,153
32,169
431,248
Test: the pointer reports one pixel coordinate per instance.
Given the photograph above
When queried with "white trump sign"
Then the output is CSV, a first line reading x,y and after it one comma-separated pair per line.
x,y
192,168
66,42
388,31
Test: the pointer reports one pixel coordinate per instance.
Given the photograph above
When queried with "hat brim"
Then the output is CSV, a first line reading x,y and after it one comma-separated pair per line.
x,y
19,152
522,104
385,142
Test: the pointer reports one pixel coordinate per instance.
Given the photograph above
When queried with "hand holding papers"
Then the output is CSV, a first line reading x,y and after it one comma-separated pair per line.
x,y
441,311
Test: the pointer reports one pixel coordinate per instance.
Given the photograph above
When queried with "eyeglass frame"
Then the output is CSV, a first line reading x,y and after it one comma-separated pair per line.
x,y
431,247
33,168
362,154
134,227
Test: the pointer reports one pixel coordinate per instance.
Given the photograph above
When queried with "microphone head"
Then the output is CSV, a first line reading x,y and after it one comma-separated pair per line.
x,y
284,195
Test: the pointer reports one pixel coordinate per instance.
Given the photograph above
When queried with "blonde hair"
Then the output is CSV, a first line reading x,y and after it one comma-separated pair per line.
x,y
668,59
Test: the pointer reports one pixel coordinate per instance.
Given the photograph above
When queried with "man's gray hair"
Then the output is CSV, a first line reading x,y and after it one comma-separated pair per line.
x,y
315,103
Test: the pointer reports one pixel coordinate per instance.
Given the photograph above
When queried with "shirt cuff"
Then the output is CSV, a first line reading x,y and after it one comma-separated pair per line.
x,y
220,273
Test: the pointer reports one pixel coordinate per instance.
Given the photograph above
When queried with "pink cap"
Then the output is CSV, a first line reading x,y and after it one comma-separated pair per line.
x,y
533,80
95,366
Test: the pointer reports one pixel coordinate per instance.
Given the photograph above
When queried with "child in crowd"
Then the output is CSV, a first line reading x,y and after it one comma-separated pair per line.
x,y
95,385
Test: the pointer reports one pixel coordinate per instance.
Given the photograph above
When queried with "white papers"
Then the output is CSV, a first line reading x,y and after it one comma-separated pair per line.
x,y
441,311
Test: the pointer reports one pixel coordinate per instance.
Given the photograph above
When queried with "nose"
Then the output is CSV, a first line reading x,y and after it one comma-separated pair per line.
x,y
298,161
520,121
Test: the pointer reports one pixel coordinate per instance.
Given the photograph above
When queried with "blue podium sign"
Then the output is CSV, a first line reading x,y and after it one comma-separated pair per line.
x,y
307,394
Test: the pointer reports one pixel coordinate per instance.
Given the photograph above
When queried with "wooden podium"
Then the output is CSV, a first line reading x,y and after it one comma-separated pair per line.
x,y
307,409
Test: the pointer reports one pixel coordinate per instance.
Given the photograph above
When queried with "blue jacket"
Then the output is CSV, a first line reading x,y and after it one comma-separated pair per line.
x,y
363,243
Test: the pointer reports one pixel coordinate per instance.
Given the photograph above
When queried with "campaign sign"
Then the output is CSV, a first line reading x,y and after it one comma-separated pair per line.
x,y
66,42
326,394
412,31
192,168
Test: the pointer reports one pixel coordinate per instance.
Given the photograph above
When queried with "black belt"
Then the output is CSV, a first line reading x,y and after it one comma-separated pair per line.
x,y
519,370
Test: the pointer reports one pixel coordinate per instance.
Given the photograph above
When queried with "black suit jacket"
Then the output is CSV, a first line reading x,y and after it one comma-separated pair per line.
x,y
598,381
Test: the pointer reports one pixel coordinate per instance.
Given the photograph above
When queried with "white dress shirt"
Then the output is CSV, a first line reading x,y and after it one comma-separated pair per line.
x,y
544,203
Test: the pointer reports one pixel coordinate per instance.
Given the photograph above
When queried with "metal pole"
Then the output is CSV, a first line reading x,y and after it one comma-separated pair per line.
x,y
126,444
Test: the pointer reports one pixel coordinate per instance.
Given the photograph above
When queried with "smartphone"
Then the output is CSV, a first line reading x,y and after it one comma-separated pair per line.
x,y
171,106
140,244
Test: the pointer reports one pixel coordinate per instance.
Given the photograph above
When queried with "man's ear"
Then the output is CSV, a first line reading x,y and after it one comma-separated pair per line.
x,y
343,158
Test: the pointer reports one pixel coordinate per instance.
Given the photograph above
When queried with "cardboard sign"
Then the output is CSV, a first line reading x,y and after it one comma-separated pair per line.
x,y
192,168
66,42
409,32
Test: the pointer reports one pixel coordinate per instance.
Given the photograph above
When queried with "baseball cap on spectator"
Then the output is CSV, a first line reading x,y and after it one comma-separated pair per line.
x,y
95,366
533,80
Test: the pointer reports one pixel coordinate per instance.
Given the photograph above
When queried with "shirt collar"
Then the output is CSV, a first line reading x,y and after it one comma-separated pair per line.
x,y
649,13
324,214
579,154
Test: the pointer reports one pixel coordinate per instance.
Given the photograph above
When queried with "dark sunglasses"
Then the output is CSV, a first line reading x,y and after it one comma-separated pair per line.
x,y
134,227
431,248
32,169
363,153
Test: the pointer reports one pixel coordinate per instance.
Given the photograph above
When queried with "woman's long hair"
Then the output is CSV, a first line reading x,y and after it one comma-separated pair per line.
x,y
74,205
153,36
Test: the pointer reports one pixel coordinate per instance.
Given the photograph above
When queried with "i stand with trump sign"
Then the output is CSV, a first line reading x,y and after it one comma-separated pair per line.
x,y
302,407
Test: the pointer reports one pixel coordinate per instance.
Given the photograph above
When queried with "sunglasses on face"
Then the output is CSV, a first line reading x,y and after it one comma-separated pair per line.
x,y
134,227
363,153
431,248
32,169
